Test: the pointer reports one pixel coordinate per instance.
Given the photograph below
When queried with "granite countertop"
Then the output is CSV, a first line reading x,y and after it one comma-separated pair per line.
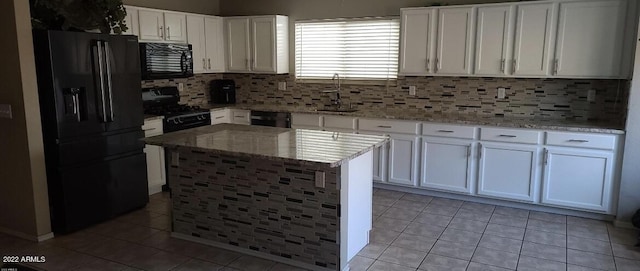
x,y
272,143
465,119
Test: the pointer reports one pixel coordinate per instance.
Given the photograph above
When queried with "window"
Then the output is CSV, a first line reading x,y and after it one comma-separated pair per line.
x,y
359,49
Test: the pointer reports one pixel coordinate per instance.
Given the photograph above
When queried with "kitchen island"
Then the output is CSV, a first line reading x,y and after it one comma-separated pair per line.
x,y
301,197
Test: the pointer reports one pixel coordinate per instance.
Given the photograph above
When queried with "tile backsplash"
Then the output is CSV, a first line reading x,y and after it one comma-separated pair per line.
x,y
196,88
547,98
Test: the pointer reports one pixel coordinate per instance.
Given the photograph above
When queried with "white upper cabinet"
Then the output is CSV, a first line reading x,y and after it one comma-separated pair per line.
x,y
257,44
204,33
492,39
590,38
237,33
156,25
151,25
131,21
214,43
454,40
417,41
175,27
531,51
196,37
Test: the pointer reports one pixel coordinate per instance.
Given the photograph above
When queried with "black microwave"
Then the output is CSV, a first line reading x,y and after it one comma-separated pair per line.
x,y
165,60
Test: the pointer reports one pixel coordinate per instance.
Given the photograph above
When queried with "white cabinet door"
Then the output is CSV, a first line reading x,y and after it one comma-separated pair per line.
x,y
492,39
237,33
417,41
403,159
531,52
175,27
380,163
263,44
155,168
131,21
196,37
446,165
578,178
590,38
151,25
214,44
454,40
508,171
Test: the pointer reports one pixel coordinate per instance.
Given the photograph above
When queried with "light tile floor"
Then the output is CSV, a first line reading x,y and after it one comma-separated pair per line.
x,y
411,232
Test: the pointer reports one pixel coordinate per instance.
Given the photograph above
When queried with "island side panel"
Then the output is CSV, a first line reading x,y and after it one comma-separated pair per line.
x,y
272,207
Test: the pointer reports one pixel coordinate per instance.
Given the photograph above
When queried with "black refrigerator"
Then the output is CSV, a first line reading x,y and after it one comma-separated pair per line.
x,y
91,110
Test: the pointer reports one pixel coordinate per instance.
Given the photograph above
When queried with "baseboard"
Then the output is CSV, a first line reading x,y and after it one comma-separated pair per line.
x,y
35,238
623,224
247,251
497,202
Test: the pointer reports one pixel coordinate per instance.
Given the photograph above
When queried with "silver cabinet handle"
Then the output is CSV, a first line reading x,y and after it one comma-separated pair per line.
x,y
546,156
437,64
150,129
509,136
109,82
555,66
161,31
204,64
219,117
428,64
445,131
479,151
578,140
384,126
168,32
238,116
209,62
502,64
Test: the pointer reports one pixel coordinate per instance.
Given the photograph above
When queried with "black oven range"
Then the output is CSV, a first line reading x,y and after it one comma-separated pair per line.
x,y
164,101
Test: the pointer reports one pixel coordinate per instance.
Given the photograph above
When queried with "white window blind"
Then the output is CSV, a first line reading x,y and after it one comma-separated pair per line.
x,y
361,49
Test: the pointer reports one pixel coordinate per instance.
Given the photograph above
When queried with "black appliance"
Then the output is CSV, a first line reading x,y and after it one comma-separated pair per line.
x,y
273,119
91,110
223,91
165,60
163,101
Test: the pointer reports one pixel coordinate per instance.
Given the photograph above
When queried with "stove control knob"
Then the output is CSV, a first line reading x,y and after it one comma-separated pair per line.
x,y
180,121
175,121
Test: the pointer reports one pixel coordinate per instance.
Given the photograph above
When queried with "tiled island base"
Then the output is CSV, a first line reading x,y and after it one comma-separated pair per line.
x,y
272,208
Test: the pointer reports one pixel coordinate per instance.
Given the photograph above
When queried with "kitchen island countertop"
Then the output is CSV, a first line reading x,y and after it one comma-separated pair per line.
x,y
272,143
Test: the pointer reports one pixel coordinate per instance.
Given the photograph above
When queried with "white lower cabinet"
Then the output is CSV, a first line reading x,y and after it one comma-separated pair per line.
x,y
447,165
380,163
155,157
578,178
508,171
403,159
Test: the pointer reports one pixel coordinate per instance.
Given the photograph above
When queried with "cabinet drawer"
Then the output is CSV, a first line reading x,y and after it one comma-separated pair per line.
x,y
444,130
240,116
220,116
581,140
510,135
309,120
389,126
152,128
340,122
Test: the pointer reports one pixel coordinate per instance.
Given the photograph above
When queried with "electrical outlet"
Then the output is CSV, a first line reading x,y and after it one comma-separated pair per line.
x,y
5,111
282,85
412,90
591,95
502,93
180,87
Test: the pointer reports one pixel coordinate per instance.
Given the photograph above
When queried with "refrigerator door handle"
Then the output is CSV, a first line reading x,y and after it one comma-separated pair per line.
x,y
103,104
109,82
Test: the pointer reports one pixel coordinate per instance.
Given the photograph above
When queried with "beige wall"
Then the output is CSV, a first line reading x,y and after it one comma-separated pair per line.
x,y
326,9
211,7
24,207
